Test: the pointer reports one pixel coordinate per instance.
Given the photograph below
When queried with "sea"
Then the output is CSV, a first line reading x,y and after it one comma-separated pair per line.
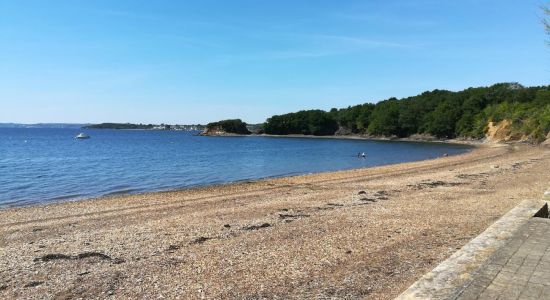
x,y
45,165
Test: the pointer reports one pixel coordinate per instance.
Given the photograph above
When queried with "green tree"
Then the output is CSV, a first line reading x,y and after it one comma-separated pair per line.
x,y
385,118
443,119
441,113
230,126
362,120
309,122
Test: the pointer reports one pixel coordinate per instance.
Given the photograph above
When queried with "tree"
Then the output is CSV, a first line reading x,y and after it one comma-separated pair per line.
x,y
363,119
385,118
230,126
443,119
441,113
309,122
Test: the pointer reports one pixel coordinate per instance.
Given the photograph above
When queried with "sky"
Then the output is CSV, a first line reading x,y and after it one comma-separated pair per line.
x,y
188,62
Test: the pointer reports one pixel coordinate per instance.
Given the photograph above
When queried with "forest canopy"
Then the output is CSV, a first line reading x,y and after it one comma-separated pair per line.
x,y
440,113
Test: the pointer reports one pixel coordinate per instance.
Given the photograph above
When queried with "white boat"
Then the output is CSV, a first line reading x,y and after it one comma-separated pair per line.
x,y
82,136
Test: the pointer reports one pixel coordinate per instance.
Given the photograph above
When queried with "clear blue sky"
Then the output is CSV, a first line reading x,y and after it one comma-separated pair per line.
x,y
200,61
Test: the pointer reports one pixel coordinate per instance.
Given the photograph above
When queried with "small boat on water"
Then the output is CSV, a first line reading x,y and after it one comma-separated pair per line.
x,y
82,136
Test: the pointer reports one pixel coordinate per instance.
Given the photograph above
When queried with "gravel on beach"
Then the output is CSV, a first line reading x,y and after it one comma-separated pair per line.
x,y
366,233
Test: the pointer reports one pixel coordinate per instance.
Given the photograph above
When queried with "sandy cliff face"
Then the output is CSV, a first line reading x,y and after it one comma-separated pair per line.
x,y
547,142
502,132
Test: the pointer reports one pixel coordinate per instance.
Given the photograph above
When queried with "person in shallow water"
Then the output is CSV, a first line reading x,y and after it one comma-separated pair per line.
x,y
363,155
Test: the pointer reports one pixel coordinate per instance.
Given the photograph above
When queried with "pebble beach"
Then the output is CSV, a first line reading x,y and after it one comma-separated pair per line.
x,y
365,233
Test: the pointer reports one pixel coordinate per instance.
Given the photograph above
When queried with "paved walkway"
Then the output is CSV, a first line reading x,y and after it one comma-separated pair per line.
x,y
510,260
518,270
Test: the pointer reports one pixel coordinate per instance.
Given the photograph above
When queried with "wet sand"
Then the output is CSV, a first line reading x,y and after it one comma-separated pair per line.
x,y
366,233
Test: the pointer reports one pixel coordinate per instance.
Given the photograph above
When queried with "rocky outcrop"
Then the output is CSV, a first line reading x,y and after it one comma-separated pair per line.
x,y
213,131
226,127
343,131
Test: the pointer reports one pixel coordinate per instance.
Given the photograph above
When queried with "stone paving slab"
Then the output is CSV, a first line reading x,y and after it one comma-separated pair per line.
x,y
518,270
500,262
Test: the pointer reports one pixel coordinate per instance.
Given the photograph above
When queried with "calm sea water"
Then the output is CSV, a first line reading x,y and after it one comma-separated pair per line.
x,y
46,165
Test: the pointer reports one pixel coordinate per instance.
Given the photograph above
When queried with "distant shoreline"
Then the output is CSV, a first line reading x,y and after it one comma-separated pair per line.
x,y
359,137
407,139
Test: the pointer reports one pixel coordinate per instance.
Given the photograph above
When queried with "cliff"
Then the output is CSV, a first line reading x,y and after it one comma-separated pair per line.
x,y
505,131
